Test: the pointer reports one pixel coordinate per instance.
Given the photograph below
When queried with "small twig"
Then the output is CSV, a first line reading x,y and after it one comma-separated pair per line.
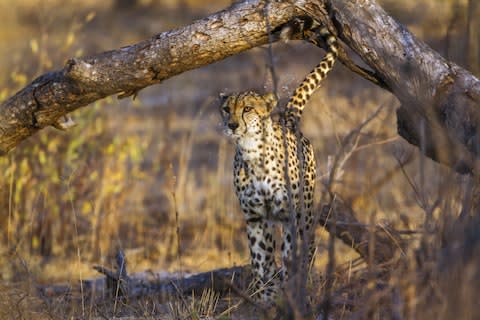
x,y
106,272
246,298
339,161
117,281
271,65
325,306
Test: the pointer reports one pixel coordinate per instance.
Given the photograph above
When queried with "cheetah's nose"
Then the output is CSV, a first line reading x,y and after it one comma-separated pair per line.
x,y
232,125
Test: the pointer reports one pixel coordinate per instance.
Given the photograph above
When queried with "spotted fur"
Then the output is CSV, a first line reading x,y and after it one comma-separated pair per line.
x,y
263,178
302,94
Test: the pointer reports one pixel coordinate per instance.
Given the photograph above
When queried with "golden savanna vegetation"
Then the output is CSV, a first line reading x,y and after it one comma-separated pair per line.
x,y
153,176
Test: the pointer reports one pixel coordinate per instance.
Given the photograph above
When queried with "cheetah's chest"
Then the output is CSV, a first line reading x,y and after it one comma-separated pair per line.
x,y
261,189
260,174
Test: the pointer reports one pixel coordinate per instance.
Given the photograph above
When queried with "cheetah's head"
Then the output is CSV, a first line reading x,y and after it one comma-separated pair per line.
x,y
245,113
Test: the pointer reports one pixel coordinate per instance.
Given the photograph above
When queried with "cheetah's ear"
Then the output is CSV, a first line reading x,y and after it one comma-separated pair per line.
x,y
222,97
271,100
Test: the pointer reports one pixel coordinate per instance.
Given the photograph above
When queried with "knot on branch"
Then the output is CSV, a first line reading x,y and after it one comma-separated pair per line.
x,y
295,28
117,282
81,71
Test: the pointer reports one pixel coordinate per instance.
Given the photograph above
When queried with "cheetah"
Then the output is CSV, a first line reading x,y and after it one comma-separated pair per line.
x,y
274,173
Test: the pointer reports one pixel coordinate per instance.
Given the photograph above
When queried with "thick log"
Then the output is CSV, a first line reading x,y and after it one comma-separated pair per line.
x,y
440,111
127,70
163,285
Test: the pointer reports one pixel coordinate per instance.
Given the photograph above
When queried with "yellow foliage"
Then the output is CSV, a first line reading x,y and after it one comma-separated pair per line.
x,y
4,94
70,40
41,157
78,53
89,17
87,207
34,46
19,78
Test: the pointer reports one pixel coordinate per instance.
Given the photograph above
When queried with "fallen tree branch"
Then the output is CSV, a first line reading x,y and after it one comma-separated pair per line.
x,y
163,285
386,245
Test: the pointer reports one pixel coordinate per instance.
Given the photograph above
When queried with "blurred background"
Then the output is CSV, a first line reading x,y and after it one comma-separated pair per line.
x,y
153,175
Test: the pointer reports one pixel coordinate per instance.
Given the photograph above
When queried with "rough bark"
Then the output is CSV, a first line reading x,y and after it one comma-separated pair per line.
x,y
129,69
165,286
440,111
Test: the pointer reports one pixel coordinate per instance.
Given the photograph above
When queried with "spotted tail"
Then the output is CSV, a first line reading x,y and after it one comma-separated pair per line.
x,y
312,81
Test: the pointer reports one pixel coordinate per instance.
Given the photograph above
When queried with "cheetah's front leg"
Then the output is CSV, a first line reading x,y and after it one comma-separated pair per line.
x,y
286,249
262,248
303,236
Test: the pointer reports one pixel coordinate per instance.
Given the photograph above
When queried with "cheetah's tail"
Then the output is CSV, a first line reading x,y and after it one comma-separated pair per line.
x,y
312,81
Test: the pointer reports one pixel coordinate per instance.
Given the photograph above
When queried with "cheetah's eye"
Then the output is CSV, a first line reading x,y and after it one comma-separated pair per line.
x,y
247,109
226,109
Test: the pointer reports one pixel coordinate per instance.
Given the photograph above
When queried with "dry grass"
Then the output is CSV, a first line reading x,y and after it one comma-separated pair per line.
x,y
153,176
